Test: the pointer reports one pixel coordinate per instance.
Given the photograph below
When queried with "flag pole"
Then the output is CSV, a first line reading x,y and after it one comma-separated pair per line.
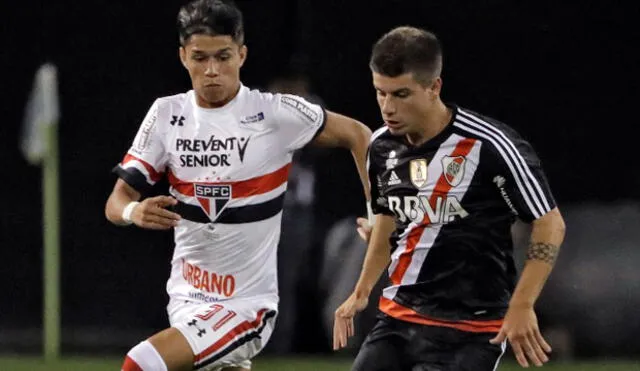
x,y
51,234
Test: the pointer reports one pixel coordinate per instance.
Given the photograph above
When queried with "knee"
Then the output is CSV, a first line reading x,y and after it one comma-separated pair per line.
x,y
143,357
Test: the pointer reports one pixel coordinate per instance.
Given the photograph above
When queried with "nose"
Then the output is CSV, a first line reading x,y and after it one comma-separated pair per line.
x,y
388,108
212,68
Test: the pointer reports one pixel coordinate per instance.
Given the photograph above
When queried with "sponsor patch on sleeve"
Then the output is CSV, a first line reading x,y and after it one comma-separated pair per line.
x,y
300,108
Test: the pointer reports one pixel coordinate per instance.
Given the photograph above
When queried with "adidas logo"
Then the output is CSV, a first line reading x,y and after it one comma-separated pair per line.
x,y
393,179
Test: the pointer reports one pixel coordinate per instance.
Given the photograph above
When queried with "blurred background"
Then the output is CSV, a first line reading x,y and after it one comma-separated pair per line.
x,y
564,74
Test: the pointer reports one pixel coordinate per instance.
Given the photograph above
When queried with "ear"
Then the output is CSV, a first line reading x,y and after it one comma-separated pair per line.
x,y
243,54
436,87
183,56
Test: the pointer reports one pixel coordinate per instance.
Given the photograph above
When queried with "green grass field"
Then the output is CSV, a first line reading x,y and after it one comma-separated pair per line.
x,y
268,364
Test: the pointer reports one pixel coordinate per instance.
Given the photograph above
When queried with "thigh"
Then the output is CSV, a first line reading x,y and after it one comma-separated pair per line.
x,y
225,334
477,354
382,349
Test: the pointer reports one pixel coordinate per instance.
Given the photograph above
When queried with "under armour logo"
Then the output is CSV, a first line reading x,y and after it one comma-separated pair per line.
x,y
191,323
175,119
201,332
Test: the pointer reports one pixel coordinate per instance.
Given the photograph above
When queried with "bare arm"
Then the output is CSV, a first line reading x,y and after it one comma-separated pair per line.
x,y
520,323
345,132
377,257
150,213
547,235
375,261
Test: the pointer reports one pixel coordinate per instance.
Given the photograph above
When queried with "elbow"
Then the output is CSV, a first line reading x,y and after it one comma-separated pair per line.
x,y
110,213
360,137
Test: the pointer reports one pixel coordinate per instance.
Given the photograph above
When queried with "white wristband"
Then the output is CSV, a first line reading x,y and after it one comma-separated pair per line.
x,y
370,215
126,213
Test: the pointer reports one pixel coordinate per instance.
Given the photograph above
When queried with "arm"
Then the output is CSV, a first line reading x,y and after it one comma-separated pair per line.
x,y
520,323
375,261
547,235
150,213
345,132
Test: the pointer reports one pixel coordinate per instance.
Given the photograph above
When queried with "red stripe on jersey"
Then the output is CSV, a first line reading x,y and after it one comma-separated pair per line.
x,y
243,188
403,313
153,174
441,189
243,327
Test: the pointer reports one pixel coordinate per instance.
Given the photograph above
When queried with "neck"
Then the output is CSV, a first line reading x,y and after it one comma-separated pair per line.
x,y
433,123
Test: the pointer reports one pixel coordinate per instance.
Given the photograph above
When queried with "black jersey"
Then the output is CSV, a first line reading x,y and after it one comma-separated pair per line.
x,y
454,199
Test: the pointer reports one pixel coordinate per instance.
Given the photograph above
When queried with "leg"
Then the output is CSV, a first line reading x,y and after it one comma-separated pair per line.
x,y
382,349
167,350
478,354
225,334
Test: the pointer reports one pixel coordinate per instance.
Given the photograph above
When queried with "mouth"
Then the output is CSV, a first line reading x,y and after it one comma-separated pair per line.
x,y
392,124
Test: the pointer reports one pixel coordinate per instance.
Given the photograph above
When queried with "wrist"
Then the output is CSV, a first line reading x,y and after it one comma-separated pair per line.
x,y
521,303
127,211
361,291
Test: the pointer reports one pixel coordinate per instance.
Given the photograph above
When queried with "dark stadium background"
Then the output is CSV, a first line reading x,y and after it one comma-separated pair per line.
x,y
564,74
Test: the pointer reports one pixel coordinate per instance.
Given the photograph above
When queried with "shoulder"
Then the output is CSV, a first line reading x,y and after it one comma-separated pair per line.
x,y
171,102
494,134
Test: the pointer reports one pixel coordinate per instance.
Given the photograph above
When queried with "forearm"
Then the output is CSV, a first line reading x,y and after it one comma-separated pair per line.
x,y
377,257
358,148
120,197
546,237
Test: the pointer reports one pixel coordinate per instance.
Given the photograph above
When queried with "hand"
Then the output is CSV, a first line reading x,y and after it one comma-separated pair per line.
x,y
343,321
521,328
364,229
151,213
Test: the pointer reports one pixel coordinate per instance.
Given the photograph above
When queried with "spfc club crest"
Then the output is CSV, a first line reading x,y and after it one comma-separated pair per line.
x,y
213,198
418,172
453,169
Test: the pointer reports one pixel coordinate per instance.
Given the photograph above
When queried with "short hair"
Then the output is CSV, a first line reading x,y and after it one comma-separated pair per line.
x,y
210,17
408,50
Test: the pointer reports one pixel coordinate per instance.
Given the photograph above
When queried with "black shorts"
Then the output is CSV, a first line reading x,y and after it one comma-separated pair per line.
x,y
394,345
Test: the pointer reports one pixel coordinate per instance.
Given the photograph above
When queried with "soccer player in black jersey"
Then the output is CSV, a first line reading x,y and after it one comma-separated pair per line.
x,y
446,186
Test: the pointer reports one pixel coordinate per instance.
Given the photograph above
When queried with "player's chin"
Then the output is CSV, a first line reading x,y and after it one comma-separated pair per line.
x,y
212,95
397,130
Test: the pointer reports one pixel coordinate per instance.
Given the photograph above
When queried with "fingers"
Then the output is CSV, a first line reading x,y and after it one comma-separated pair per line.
x,y
517,351
529,350
164,213
164,201
362,222
362,234
537,349
545,346
153,221
499,338
339,333
350,328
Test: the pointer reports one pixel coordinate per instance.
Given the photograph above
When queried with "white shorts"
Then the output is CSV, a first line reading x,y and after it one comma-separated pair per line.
x,y
223,334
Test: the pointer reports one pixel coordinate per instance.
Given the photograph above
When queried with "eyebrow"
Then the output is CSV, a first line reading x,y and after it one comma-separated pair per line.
x,y
397,91
227,49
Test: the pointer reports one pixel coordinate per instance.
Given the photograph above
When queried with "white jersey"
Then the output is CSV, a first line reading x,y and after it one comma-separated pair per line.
x,y
228,169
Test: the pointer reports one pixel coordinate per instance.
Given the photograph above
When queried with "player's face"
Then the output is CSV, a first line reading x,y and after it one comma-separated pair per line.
x,y
403,101
214,65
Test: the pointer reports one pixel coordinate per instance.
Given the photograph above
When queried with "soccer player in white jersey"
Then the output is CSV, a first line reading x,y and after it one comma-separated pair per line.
x,y
226,151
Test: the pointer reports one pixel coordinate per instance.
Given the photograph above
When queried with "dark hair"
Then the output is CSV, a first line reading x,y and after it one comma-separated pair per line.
x,y
210,17
408,50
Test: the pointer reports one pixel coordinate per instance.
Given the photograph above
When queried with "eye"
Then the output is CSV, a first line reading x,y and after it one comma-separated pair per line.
x,y
224,57
198,57
402,94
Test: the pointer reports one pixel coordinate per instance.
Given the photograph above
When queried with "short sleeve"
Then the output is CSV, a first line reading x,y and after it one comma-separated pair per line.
x,y
298,120
144,163
518,175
